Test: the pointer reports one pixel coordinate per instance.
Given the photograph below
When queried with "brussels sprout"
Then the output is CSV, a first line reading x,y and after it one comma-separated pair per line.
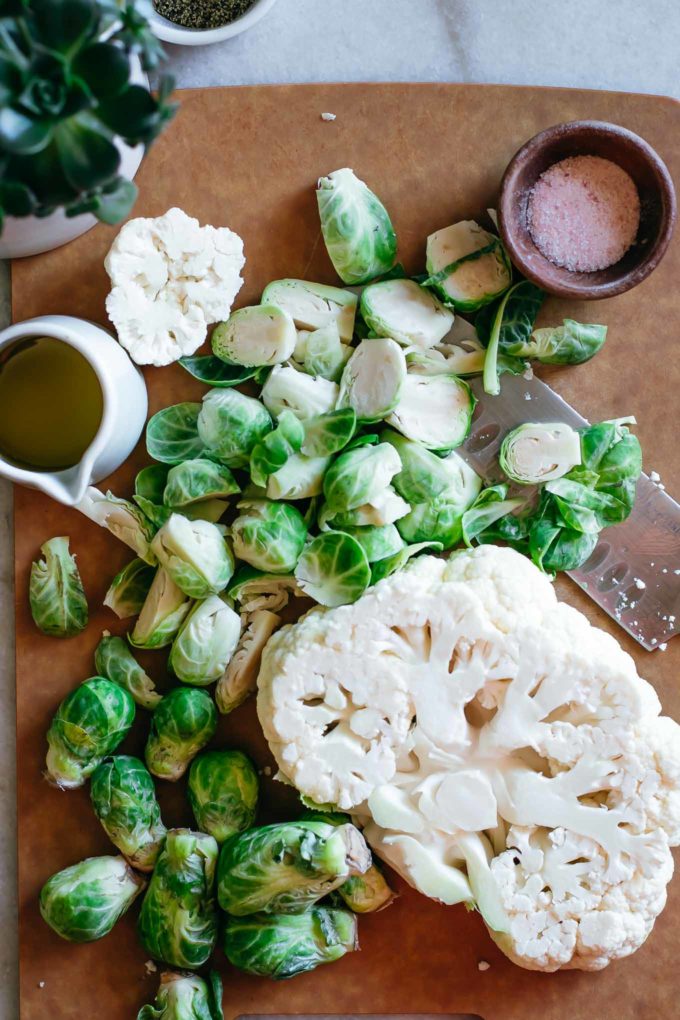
x,y
435,410
304,395
490,506
186,997
425,477
377,542
124,800
121,518
269,455
217,373
437,521
373,380
260,335
255,589
358,476
114,660
505,325
162,614
609,450
56,593
172,434
82,903
129,589
300,477
206,642
156,514
356,227
195,556
391,564
230,424
555,547
324,353
468,267
239,680
572,343
184,722
385,508
407,312
150,482
314,305
282,946
333,569
89,724
196,481
535,453
268,535
178,919
223,792
327,434
286,868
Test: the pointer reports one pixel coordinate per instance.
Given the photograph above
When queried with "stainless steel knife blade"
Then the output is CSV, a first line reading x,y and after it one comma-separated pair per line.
x,y
634,571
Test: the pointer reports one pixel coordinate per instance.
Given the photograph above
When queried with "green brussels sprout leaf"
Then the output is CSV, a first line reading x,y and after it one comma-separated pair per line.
x,y
56,593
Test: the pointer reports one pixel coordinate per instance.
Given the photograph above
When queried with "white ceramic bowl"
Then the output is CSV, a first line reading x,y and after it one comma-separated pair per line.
x,y
169,32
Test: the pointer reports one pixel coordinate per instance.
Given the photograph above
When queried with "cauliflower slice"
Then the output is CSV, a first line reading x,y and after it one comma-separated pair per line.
x,y
171,278
496,748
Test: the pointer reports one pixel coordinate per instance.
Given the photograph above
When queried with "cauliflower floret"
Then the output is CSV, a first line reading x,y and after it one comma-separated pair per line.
x,y
171,278
495,747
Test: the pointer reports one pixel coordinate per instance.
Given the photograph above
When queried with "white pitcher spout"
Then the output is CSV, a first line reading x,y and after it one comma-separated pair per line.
x,y
67,486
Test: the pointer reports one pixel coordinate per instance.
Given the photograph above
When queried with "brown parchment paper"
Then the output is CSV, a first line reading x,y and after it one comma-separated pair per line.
x,y
249,157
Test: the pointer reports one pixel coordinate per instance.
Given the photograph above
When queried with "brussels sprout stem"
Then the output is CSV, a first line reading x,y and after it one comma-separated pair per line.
x,y
492,384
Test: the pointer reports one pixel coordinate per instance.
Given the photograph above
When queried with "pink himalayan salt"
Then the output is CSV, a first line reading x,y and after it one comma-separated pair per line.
x,y
584,213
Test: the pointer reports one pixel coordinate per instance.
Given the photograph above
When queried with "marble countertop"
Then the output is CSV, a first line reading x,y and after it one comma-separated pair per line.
x,y
629,45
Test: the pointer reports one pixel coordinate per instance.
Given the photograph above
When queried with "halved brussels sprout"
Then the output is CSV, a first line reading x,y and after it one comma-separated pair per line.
x,y
282,946
206,642
287,868
178,919
385,508
300,477
172,434
377,542
162,614
230,424
114,660
197,481
314,305
240,677
468,267
128,590
268,535
333,569
184,722
359,476
56,593
89,724
407,312
356,227
124,800
287,389
256,589
223,792
186,997
151,481
260,335
324,353
195,555
82,903
121,518
536,453
327,434
435,410
373,380
272,452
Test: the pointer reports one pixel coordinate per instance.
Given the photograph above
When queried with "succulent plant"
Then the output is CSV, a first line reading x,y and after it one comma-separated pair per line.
x,y
65,96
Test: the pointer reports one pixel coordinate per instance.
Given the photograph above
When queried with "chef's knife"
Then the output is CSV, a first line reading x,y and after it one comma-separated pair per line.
x,y
634,571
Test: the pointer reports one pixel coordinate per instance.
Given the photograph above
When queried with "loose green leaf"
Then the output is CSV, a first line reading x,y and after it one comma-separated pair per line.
x,y
58,602
333,569
172,434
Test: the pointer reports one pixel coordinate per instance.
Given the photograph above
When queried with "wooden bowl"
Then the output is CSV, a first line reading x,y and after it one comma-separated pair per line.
x,y
591,138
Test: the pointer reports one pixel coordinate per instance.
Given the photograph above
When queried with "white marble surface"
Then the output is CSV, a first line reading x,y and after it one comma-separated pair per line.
x,y
601,44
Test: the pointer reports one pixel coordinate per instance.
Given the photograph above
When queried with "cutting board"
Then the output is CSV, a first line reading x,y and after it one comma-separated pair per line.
x,y
249,157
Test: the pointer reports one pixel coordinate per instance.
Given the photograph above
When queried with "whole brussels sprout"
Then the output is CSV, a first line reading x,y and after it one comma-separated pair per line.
x,y
163,612
356,227
124,800
282,946
186,997
178,919
206,642
195,556
181,726
230,424
82,903
89,724
114,660
223,791
269,536
286,868
57,597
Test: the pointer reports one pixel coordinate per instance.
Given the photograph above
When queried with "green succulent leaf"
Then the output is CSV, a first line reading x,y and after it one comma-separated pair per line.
x,y
104,67
21,134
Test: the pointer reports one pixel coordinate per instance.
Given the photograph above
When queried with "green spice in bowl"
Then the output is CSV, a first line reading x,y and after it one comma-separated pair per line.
x,y
198,22
202,14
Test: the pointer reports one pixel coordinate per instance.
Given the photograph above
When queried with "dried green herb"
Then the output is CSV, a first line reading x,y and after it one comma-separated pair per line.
x,y
202,13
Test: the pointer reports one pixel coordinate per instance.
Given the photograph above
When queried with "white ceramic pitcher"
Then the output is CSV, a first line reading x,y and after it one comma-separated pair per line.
x,y
124,411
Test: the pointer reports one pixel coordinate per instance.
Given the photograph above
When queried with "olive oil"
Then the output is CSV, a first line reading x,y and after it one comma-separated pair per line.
x,y
51,404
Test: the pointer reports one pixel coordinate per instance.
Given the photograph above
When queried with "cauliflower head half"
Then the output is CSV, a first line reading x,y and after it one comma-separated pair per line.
x,y
170,279
496,749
